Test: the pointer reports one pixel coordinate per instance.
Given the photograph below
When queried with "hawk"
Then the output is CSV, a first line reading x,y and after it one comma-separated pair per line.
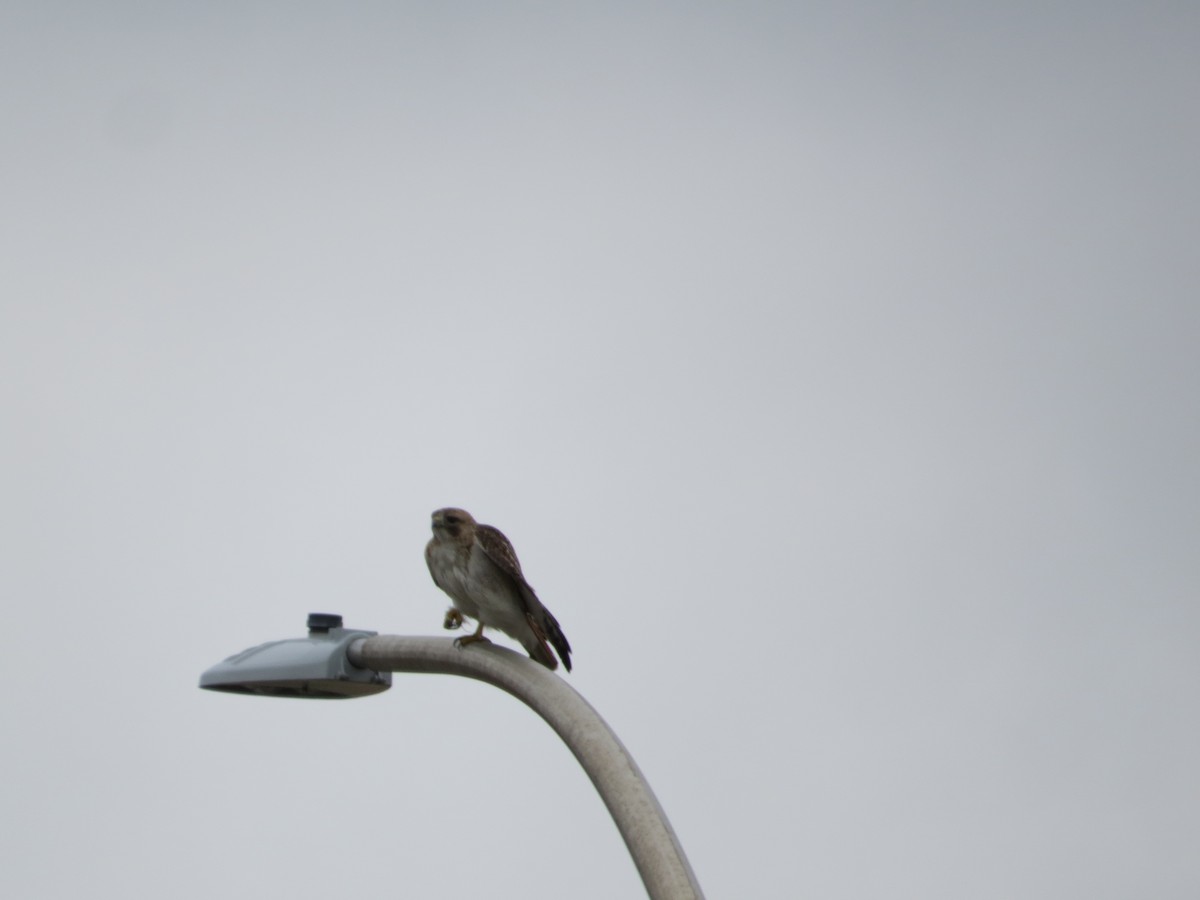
x,y
477,566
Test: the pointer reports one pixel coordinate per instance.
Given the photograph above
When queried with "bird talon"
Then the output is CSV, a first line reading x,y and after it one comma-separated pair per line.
x,y
466,639
453,620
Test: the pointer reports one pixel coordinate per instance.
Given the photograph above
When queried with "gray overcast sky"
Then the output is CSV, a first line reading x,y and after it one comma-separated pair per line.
x,y
833,368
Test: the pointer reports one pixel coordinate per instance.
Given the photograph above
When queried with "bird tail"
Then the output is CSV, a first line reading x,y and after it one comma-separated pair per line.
x,y
539,652
544,631
547,630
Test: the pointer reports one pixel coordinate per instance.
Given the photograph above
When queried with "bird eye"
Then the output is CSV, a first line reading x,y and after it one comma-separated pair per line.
x,y
452,520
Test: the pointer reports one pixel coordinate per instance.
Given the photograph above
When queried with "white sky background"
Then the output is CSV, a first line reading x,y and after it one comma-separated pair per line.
x,y
832,367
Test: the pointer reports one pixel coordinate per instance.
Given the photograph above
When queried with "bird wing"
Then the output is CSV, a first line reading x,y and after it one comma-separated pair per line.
x,y
545,627
499,550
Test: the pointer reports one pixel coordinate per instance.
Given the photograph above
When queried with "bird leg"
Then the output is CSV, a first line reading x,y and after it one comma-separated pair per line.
x,y
476,638
453,620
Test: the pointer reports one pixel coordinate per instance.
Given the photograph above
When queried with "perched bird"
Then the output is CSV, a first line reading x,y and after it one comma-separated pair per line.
x,y
477,566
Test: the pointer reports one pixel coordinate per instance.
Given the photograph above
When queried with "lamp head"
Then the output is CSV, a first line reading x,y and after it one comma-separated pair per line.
x,y
314,667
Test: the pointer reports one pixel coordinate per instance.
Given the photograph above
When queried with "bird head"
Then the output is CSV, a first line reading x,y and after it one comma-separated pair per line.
x,y
452,523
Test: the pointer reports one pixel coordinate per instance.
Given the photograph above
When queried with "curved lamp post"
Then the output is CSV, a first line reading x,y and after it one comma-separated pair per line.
x,y
334,662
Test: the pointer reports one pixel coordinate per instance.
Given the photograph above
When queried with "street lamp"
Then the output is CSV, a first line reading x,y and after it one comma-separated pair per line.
x,y
333,662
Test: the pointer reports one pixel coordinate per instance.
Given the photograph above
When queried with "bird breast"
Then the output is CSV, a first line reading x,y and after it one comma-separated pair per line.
x,y
449,565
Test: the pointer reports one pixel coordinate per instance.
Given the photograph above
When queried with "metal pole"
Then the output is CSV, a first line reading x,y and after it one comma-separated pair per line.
x,y
643,824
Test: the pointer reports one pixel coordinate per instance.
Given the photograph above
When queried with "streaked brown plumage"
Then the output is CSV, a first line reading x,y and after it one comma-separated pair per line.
x,y
476,565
